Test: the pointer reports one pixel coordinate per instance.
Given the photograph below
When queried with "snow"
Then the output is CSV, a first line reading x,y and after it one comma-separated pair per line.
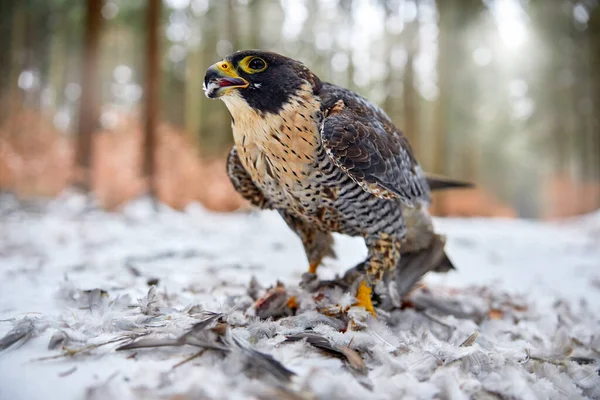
x,y
530,289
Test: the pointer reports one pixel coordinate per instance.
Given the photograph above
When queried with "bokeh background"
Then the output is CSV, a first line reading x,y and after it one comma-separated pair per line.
x,y
107,95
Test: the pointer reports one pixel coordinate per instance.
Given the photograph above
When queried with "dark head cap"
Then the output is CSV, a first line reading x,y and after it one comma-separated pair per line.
x,y
265,80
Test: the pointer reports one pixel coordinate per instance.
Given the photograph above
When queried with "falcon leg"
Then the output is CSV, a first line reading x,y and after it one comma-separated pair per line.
x,y
317,244
384,254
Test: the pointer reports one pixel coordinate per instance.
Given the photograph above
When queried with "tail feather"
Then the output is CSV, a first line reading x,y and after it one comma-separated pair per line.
x,y
444,264
439,182
413,266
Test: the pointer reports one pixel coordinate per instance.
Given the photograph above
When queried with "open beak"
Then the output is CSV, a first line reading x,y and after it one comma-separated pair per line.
x,y
221,78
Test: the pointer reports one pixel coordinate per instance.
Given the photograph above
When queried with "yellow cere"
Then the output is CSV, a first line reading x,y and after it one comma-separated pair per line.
x,y
226,67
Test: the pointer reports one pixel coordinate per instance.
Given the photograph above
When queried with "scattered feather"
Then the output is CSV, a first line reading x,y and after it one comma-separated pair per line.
x,y
263,361
59,338
197,336
274,303
67,372
470,340
21,332
320,342
149,304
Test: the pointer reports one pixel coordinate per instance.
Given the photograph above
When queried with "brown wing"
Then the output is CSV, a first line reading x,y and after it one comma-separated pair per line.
x,y
362,141
242,182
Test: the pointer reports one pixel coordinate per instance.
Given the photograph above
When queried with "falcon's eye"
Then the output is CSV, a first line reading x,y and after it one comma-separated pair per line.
x,y
253,65
257,63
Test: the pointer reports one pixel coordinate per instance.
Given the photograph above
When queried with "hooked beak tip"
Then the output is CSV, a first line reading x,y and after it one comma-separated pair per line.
x,y
218,83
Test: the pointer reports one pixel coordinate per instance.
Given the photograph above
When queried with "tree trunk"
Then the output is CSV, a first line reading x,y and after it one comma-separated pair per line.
x,y
90,94
17,36
193,95
410,96
58,63
255,12
444,66
151,93
594,41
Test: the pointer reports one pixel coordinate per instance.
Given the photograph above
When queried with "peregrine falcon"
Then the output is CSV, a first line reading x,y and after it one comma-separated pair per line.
x,y
327,159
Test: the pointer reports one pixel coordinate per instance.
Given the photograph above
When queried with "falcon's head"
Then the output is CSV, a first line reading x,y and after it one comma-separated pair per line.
x,y
265,81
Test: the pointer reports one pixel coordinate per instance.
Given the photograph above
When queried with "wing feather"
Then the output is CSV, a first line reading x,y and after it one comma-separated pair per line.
x,y
242,182
362,141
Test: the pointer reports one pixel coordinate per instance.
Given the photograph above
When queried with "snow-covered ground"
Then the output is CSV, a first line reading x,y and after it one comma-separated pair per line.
x,y
530,289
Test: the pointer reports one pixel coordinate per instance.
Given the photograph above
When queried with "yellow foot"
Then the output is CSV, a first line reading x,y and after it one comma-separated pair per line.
x,y
312,268
292,303
364,297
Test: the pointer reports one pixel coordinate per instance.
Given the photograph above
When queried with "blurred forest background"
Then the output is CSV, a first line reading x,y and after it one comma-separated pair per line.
x,y
107,94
